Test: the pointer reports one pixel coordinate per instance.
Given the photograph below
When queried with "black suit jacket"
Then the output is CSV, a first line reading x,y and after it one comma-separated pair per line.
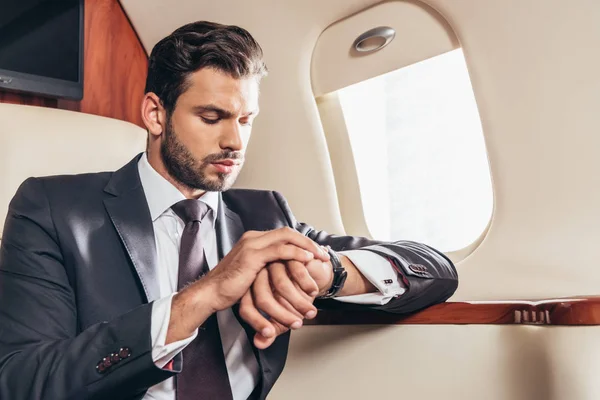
x,y
78,281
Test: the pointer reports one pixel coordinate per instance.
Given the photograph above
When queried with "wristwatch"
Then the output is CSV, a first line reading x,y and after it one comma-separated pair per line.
x,y
339,275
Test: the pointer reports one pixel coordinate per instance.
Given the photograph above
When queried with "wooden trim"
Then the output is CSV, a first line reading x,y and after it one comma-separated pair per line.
x,y
115,63
9,97
571,311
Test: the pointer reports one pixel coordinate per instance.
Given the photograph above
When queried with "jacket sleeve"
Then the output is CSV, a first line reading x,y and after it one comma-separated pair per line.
x,y
429,276
43,355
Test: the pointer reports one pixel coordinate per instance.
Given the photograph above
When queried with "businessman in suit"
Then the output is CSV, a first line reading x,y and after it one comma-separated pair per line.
x,y
158,282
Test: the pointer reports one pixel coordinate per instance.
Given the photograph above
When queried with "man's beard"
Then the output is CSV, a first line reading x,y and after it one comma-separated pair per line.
x,y
188,171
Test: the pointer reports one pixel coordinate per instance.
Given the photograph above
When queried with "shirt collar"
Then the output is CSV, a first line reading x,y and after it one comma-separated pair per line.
x,y
161,194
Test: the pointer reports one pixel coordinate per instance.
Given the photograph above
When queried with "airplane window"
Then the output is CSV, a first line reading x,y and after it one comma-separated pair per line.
x,y
418,145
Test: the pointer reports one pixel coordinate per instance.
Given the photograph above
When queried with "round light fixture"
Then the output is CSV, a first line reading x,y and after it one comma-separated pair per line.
x,y
374,39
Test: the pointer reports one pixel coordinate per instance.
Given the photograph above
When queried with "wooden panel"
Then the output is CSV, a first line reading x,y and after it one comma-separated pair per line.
x,y
115,67
27,99
572,311
115,63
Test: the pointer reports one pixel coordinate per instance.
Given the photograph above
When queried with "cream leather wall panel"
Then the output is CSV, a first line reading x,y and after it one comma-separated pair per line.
x,y
36,141
344,168
420,34
442,363
533,66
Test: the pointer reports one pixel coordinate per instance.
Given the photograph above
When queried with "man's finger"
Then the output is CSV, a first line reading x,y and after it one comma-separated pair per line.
x,y
291,236
255,319
284,287
265,301
253,234
281,251
289,307
262,342
301,276
267,331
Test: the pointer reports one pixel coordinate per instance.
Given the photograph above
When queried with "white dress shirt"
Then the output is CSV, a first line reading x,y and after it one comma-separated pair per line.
x,y
242,366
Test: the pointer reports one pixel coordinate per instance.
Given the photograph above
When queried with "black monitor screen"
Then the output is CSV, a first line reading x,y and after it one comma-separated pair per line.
x,y
41,37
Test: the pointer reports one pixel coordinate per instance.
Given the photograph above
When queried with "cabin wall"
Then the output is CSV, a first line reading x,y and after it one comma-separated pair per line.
x,y
115,68
450,362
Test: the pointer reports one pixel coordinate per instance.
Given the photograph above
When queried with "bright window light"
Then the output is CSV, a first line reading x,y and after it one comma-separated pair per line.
x,y
418,146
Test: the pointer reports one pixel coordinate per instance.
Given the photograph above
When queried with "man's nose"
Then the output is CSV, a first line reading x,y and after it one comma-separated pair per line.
x,y
232,138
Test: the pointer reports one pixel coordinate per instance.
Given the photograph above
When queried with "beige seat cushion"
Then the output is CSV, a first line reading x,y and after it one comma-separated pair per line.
x,y
36,141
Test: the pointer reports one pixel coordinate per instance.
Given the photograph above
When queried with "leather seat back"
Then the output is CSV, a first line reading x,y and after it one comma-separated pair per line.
x,y
37,141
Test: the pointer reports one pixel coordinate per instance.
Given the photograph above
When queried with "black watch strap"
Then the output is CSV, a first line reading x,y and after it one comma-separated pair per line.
x,y
339,275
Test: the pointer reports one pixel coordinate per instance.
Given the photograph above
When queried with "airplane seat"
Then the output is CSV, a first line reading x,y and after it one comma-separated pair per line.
x,y
37,141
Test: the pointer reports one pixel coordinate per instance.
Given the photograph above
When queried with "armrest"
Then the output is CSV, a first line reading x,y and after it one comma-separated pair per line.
x,y
567,311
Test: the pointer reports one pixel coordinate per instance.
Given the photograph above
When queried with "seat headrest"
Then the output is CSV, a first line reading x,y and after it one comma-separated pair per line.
x,y
37,141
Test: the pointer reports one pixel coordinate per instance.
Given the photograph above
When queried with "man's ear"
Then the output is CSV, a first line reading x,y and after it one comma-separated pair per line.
x,y
153,115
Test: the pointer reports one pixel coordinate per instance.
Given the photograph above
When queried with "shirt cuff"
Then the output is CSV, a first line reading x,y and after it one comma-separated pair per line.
x,y
161,315
379,272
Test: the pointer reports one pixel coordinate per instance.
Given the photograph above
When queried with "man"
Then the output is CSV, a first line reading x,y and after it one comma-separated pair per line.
x,y
156,281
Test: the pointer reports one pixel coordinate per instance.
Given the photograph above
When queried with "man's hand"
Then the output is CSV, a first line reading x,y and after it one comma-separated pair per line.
x,y
322,273
285,291
234,275
231,278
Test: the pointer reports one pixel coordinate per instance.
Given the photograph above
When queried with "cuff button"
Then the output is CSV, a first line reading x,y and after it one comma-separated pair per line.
x,y
124,352
100,367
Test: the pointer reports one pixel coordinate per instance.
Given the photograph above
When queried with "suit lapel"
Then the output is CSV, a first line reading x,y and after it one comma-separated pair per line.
x,y
230,228
129,213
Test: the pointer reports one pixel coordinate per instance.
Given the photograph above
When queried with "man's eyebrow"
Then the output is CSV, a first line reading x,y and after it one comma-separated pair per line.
x,y
221,112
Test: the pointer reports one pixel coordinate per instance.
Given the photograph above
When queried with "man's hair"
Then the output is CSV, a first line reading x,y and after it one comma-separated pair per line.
x,y
226,48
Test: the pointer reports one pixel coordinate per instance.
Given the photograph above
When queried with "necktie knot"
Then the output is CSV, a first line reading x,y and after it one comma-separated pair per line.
x,y
190,210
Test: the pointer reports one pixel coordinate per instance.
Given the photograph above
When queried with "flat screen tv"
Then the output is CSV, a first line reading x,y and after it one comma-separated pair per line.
x,y
41,47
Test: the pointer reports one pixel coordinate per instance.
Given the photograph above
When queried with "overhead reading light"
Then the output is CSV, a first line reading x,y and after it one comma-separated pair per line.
x,y
374,39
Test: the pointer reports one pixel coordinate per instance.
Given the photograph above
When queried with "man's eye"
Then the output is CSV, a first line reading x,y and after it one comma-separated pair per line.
x,y
210,121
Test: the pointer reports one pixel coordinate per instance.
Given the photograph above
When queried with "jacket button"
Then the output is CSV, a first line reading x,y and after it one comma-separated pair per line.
x,y
124,352
114,358
106,362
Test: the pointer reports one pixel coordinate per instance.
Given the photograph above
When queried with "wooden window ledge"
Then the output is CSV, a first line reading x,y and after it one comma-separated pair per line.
x,y
568,311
